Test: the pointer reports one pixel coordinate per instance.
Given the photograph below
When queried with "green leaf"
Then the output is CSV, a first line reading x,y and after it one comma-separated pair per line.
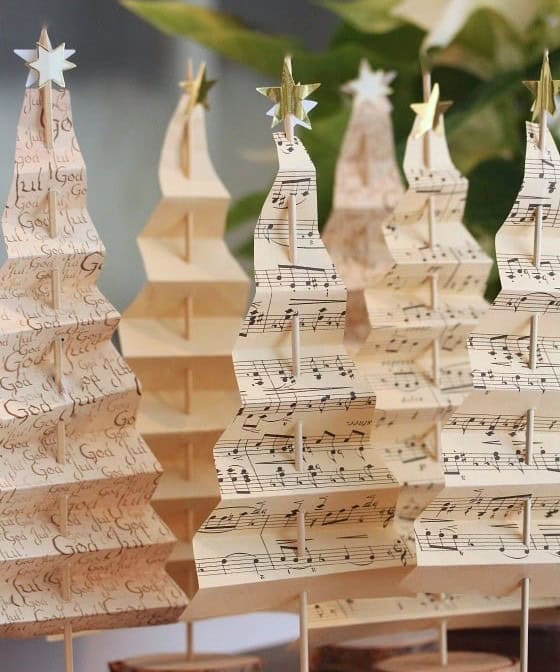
x,y
368,16
218,31
493,189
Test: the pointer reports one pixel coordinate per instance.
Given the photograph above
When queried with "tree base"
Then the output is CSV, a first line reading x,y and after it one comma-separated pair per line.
x,y
179,663
459,661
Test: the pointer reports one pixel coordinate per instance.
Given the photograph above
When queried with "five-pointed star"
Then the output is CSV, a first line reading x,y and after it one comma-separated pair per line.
x,y
370,85
31,56
197,89
544,90
430,112
289,99
51,64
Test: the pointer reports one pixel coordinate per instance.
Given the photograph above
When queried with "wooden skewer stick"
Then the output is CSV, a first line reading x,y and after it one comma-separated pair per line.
x,y
525,597
187,136
188,316
57,347
188,391
434,284
190,589
303,628
443,648
298,446
189,226
298,439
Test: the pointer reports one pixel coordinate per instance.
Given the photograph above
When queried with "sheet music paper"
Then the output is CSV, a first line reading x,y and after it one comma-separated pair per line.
x,y
367,187
343,620
476,522
246,552
112,547
179,332
396,355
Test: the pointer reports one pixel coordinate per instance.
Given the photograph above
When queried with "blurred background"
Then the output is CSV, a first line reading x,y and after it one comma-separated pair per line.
x,y
124,90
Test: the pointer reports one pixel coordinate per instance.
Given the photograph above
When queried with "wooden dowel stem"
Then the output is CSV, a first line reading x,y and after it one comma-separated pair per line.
x,y
426,90
533,342
188,316
190,640
301,534
537,242
524,652
443,648
527,521
189,229
298,446
529,434
68,649
48,115
188,391
303,633
296,346
53,207
57,355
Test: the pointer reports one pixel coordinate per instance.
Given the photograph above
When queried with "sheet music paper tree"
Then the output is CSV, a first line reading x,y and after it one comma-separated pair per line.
x,y
367,187
424,296
81,546
423,307
305,500
496,524
179,331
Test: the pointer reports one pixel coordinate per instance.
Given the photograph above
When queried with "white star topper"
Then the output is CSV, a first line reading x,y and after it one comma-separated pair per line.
x,y
370,85
45,63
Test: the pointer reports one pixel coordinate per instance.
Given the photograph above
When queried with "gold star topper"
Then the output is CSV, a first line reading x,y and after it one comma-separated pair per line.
x,y
430,112
544,91
45,63
290,98
197,89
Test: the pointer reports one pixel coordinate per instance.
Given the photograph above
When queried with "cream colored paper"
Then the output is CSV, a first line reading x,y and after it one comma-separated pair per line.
x,y
80,545
474,527
344,620
179,332
246,552
367,187
405,322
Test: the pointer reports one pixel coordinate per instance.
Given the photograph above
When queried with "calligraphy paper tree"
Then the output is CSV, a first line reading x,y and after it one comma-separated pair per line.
x,y
496,523
179,331
81,546
306,502
367,186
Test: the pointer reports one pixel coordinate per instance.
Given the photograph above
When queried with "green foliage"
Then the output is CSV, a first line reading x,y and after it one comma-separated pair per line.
x,y
480,69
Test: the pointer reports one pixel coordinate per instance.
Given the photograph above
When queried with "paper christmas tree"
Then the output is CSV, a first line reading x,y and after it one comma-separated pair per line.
x,y
81,546
495,525
367,187
306,502
423,296
179,332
